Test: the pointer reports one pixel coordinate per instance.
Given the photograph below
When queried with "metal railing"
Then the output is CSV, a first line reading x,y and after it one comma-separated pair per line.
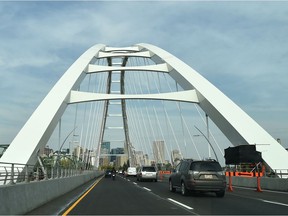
x,y
13,173
281,173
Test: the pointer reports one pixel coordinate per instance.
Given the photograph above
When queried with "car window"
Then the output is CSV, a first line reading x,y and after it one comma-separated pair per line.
x,y
206,166
184,166
149,169
177,167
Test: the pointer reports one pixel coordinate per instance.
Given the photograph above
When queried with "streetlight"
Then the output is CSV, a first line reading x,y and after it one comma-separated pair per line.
x,y
207,141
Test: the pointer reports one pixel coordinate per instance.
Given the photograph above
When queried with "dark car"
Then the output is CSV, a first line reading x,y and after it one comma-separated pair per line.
x,y
198,175
108,173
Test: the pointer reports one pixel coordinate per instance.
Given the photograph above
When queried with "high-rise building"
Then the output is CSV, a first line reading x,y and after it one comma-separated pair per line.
x,y
120,160
141,158
46,151
158,151
176,156
115,152
105,148
104,161
78,152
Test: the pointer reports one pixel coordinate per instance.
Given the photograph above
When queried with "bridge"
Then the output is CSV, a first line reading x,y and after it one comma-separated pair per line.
x,y
143,100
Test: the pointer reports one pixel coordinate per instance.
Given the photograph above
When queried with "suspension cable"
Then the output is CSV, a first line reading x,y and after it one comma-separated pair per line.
x,y
186,126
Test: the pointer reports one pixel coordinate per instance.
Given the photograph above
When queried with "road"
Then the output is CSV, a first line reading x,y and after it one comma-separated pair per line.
x,y
126,196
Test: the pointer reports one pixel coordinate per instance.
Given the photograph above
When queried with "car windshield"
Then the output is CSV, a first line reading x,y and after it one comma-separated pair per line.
x,y
149,169
206,166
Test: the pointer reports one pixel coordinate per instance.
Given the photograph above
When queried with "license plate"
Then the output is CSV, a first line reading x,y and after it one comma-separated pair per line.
x,y
208,176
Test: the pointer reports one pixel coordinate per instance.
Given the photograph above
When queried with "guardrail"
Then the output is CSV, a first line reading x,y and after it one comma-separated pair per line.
x,y
282,173
12,173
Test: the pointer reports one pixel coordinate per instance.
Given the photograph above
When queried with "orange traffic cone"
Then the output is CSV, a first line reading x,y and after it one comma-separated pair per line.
x,y
258,185
230,188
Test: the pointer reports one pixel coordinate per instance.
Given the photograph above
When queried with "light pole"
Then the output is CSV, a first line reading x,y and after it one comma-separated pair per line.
x,y
208,142
208,137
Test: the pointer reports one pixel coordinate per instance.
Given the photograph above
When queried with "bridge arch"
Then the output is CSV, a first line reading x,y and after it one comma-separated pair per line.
x,y
235,124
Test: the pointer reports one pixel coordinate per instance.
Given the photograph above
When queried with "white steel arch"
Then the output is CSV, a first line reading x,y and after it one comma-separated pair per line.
x,y
39,127
237,126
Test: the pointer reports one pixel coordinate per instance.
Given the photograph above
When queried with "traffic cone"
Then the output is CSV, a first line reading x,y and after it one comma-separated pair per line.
x,y
258,185
230,188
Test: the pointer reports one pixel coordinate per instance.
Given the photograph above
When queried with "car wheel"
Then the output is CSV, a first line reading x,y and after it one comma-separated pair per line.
x,y
184,190
220,193
155,180
171,188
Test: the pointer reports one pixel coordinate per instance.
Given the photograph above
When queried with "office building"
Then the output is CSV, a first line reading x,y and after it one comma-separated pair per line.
x,y
158,151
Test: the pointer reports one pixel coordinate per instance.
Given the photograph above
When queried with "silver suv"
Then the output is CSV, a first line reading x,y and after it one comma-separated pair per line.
x,y
147,173
196,175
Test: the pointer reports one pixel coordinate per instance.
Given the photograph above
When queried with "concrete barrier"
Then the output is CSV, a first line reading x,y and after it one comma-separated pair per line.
x,y
266,183
24,197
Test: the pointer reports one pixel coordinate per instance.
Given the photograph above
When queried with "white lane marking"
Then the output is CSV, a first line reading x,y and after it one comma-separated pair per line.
x,y
188,207
270,191
272,202
134,183
147,189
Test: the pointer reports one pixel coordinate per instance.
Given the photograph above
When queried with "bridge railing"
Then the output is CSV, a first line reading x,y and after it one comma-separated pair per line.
x,y
13,173
281,173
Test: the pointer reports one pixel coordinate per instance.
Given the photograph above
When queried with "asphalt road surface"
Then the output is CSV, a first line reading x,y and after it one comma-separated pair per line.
x,y
126,196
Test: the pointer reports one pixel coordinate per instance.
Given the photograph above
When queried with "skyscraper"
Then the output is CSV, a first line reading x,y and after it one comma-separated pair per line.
x,y
176,156
158,151
105,148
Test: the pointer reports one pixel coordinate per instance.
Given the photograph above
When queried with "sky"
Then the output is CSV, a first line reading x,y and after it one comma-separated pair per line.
x,y
239,46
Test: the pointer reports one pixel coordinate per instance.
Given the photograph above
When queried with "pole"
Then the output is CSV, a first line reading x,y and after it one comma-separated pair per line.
x,y
208,142
207,123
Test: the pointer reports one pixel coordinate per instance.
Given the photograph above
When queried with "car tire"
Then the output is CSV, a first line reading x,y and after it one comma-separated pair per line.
x,y
155,180
220,193
171,188
184,190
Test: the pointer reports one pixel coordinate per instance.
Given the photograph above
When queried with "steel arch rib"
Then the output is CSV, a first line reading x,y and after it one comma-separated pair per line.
x,y
236,125
39,127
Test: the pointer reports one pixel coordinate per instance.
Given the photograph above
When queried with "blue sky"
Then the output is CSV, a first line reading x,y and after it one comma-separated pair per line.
x,y
240,47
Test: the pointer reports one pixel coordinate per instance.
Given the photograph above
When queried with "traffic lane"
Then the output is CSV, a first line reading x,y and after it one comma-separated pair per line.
x,y
275,196
240,201
56,206
123,197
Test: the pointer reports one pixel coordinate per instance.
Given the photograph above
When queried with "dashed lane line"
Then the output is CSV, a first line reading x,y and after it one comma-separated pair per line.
x,y
147,189
181,204
169,199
